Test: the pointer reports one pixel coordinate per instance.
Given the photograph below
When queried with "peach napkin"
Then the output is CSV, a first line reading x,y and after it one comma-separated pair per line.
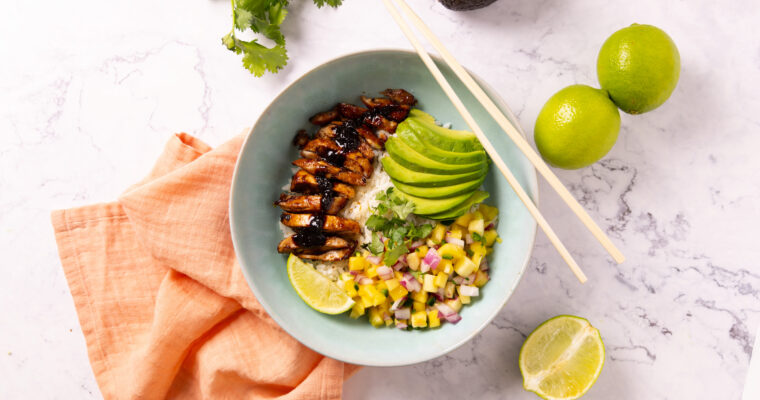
x,y
162,302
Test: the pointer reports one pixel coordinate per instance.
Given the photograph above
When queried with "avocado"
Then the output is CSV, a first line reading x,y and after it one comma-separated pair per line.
x,y
461,209
433,206
443,138
406,175
415,142
439,192
410,158
465,5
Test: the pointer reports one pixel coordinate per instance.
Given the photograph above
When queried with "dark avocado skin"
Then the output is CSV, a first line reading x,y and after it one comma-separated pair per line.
x,y
464,5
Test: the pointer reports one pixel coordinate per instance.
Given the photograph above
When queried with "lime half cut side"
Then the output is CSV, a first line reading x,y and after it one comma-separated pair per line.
x,y
315,289
562,358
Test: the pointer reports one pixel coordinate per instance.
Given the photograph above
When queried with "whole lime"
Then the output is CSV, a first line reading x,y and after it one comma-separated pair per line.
x,y
576,127
639,66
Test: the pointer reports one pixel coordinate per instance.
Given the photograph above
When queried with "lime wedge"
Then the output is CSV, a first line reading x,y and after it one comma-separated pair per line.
x,y
562,358
315,289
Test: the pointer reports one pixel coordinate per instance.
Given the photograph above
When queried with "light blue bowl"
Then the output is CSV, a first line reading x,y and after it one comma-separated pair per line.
x,y
264,168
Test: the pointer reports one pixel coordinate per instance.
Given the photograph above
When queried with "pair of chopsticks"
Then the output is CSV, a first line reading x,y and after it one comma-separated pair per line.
x,y
510,130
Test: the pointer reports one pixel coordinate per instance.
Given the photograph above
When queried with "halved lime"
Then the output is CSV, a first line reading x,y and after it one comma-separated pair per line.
x,y
315,289
561,359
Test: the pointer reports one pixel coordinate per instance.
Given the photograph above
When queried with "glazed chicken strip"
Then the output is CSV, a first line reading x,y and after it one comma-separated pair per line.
x,y
375,102
325,117
288,245
329,132
332,224
400,96
328,150
350,111
304,182
310,203
323,168
301,139
332,255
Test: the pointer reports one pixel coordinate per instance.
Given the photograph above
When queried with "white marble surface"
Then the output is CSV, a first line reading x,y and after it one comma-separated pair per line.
x,y
90,91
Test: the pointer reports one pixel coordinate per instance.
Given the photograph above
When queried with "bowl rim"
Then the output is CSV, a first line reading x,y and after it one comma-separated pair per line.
x,y
533,179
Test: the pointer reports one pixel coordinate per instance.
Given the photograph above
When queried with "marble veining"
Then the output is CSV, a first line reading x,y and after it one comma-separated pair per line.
x,y
90,92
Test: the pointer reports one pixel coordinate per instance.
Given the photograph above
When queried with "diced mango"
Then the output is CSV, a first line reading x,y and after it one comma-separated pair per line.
x,y
478,248
419,319
375,318
357,310
420,296
345,276
455,304
490,236
370,295
456,232
417,306
489,213
464,299
350,288
448,291
433,318
481,279
464,220
391,284
421,251
430,243
451,252
446,267
371,271
381,286
398,292
438,233
398,275
388,322
477,215
465,267
413,259
428,283
440,279
357,263
476,226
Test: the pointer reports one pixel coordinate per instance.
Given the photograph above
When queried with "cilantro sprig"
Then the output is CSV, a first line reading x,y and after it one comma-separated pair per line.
x,y
263,17
390,219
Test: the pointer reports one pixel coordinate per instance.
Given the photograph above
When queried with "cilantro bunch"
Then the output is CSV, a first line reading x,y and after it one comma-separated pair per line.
x,y
263,17
391,219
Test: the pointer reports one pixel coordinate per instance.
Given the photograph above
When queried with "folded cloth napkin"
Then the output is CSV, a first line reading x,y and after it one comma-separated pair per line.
x,y
162,301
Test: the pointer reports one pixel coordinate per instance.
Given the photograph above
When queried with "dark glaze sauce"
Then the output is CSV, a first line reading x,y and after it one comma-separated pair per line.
x,y
347,137
336,158
312,235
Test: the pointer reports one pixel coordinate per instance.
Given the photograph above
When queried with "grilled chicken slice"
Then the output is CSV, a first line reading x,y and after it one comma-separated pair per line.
x,y
325,117
332,223
375,139
328,150
396,113
332,255
400,96
350,111
301,139
288,245
310,203
304,182
324,168
380,123
374,102
328,132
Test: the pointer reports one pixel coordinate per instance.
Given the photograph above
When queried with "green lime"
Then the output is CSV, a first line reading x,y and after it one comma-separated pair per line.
x,y
562,358
576,127
639,67
315,289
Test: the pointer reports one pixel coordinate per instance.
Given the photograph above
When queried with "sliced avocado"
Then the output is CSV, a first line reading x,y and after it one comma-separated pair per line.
x,y
443,138
461,209
409,137
439,192
403,154
406,175
433,206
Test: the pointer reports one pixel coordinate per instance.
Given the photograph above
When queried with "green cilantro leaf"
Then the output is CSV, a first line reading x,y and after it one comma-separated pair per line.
x,y
392,255
376,223
331,3
376,246
476,237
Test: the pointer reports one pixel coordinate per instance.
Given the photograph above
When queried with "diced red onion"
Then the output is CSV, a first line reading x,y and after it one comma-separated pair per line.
x,y
401,263
403,313
397,303
448,313
424,267
432,258
491,225
401,325
385,273
468,239
454,241
416,244
359,277
386,316
366,281
471,291
458,279
354,273
483,264
438,246
411,283
374,260
469,280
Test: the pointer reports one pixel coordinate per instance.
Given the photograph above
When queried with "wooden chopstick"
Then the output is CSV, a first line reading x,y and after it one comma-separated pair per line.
x,y
514,134
521,194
